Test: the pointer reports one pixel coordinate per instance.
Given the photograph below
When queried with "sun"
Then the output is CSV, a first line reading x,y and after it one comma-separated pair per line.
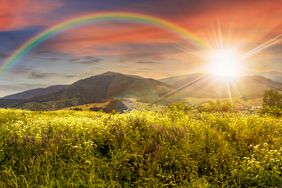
x,y
224,63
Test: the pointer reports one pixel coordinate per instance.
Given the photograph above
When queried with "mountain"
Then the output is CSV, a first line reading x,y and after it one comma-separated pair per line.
x,y
273,75
97,88
35,93
178,81
110,85
213,87
20,98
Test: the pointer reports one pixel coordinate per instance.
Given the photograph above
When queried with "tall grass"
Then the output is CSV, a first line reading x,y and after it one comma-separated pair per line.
x,y
163,147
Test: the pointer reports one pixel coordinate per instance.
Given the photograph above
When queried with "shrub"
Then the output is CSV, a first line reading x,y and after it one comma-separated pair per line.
x,y
272,103
261,169
216,106
272,98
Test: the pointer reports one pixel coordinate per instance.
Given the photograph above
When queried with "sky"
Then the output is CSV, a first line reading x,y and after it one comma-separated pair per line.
x,y
129,47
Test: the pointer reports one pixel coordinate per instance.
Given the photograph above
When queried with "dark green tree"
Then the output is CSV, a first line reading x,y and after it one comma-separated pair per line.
x,y
272,98
272,102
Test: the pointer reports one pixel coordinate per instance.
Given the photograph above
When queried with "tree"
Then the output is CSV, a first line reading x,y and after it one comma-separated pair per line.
x,y
272,102
272,98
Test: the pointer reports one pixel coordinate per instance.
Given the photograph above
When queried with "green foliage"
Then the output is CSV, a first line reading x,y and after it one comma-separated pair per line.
x,y
272,103
274,110
262,168
169,147
179,107
272,98
216,106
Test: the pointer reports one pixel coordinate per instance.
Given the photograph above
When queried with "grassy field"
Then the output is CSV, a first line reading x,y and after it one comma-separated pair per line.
x,y
160,147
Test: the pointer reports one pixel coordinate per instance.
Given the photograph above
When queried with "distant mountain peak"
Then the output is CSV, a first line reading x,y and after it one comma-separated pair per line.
x,y
109,73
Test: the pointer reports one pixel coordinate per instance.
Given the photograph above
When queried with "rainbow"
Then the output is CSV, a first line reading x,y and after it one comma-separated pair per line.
x,y
25,48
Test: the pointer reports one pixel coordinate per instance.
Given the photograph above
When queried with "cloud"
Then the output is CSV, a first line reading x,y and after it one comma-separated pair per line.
x,y
85,40
87,60
41,54
54,59
154,51
21,69
8,89
24,13
19,86
3,55
147,62
44,75
108,42
32,73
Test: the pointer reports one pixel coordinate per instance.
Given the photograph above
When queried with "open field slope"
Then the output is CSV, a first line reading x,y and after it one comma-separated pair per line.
x,y
161,147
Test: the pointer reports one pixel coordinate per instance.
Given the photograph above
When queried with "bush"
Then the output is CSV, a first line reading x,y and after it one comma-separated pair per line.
x,y
261,169
272,103
216,106
272,98
275,111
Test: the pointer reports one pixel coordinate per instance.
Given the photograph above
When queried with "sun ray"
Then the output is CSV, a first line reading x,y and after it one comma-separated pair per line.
x,y
262,46
229,92
189,51
215,37
180,88
236,89
219,33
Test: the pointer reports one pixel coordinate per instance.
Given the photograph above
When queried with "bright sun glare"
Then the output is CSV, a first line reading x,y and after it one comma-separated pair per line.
x,y
224,63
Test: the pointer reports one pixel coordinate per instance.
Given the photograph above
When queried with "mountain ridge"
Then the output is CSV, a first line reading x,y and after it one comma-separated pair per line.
x,y
216,87
109,85
96,88
28,94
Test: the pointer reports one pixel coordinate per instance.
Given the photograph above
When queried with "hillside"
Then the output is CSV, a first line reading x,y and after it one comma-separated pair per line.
x,y
275,76
38,92
112,105
212,87
98,88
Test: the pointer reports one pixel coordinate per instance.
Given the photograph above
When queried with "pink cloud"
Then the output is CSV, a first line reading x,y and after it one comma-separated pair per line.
x,y
21,13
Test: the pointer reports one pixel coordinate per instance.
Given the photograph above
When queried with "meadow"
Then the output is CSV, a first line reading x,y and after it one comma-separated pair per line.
x,y
160,147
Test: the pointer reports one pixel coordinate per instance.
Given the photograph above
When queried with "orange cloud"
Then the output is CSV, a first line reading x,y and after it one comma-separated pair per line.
x,y
243,22
21,13
88,39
